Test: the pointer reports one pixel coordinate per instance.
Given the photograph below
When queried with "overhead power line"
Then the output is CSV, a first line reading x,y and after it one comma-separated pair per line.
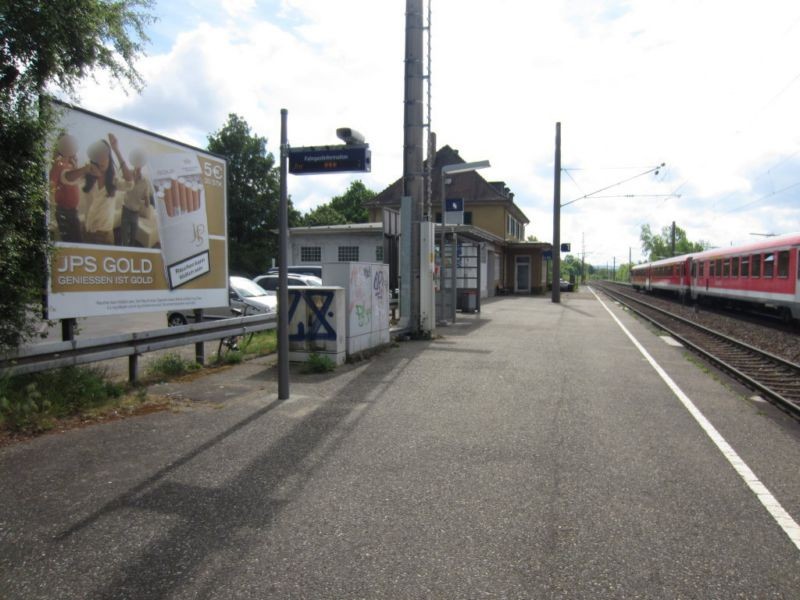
x,y
608,187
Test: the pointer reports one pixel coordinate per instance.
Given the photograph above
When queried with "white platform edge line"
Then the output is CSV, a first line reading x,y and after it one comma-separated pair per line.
x,y
782,518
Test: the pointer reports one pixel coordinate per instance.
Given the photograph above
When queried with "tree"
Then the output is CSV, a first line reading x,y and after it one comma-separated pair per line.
x,y
531,238
253,196
324,214
658,246
347,208
571,268
47,45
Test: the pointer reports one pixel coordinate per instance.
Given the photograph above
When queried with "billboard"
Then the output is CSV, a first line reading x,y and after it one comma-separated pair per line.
x,y
139,222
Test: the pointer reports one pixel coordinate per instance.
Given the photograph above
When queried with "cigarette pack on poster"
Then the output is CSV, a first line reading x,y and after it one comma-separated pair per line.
x,y
182,217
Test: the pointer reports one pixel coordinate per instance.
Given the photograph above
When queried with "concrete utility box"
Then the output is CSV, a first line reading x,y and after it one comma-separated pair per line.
x,y
317,323
366,292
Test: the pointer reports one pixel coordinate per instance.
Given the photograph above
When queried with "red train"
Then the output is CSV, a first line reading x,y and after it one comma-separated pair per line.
x,y
765,273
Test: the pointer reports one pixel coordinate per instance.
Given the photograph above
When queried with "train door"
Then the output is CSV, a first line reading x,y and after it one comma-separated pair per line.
x,y
692,278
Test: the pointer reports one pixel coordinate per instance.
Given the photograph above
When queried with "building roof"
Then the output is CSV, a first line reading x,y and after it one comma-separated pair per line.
x,y
470,186
345,228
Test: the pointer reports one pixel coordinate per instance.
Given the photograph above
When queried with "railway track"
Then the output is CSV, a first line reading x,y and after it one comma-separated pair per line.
x,y
775,378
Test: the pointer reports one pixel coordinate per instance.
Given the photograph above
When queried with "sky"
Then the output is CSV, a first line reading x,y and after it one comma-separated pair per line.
x,y
711,88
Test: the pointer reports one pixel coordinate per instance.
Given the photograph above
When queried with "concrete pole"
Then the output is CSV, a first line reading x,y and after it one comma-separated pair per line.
x,y
283,264
413,173
556,291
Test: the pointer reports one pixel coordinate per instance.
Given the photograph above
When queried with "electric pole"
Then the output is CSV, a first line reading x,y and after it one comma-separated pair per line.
x,y
556,291
413,173
672,240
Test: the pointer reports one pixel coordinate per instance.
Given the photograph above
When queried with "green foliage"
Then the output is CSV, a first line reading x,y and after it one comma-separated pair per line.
x,y
261,343
347,208
318,363
571,268
657,246
171,364
253,196
60,43
30,402
46,45
324,214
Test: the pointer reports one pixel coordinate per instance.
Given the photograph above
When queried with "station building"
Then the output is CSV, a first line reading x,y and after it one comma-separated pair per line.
x,y
492,222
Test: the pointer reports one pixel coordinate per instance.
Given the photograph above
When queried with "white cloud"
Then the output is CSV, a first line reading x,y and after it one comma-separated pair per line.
x,y
709,87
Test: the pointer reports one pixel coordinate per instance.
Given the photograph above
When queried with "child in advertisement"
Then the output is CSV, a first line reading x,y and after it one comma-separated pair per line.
x,y
137,200
100,185
65,194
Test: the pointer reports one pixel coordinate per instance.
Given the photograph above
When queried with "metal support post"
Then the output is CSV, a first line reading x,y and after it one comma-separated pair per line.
x,y
67,330
133,367
283,264
455,271
199,347
556,292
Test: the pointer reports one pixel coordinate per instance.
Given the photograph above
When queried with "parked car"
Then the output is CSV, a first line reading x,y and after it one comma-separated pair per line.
x,y
566,286
246,298
270,281
314,270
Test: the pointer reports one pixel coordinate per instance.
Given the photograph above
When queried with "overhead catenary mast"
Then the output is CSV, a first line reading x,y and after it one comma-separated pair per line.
x,y
413,144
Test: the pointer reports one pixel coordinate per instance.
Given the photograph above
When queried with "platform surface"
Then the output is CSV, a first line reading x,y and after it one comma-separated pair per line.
x,y
532,451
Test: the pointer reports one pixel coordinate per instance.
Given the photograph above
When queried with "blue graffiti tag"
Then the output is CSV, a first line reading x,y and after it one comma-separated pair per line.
x,y
377,285
316,321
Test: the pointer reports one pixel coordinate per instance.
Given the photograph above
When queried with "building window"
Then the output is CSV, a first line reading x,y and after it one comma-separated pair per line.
x,y
438,217
312,254
379,253
348,253
467,217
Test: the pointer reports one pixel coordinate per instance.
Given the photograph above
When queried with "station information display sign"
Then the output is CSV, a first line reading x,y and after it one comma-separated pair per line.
x,y
312,160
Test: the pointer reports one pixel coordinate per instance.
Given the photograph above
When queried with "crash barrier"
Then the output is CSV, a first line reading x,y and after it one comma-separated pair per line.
x,y
42,357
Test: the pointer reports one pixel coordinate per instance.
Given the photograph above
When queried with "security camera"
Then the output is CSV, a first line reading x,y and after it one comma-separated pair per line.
x,y
349,136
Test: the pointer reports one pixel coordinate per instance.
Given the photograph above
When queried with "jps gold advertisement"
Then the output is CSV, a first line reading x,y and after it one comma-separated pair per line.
x,y
138,221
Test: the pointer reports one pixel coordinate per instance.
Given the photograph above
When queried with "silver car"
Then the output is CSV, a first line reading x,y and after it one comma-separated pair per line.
x,y
246,298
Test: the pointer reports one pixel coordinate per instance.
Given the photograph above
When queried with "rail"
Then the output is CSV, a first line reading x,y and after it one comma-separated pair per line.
x,y
774,377
42,357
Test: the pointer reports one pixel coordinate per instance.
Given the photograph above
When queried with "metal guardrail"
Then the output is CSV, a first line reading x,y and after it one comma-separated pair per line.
x,y
42,357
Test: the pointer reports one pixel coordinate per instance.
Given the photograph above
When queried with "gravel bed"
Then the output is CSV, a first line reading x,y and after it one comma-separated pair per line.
x,y
778,341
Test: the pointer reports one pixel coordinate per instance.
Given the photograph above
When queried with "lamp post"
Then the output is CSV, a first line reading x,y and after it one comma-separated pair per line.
x,y
452,170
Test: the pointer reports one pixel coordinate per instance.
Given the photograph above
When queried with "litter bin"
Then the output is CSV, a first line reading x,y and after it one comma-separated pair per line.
x,y
468,301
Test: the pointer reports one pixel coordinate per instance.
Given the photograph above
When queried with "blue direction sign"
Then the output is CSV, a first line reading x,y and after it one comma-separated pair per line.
x,y
454,205
329,159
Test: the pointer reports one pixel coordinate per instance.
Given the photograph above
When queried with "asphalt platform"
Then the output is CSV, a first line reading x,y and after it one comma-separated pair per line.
x,y
532,451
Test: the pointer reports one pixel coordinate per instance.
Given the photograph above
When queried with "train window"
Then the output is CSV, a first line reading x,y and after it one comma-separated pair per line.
x,y
769,264
702,268
783,263
735,266
711,264
726,268
755,265
745,266
694,270
718,269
